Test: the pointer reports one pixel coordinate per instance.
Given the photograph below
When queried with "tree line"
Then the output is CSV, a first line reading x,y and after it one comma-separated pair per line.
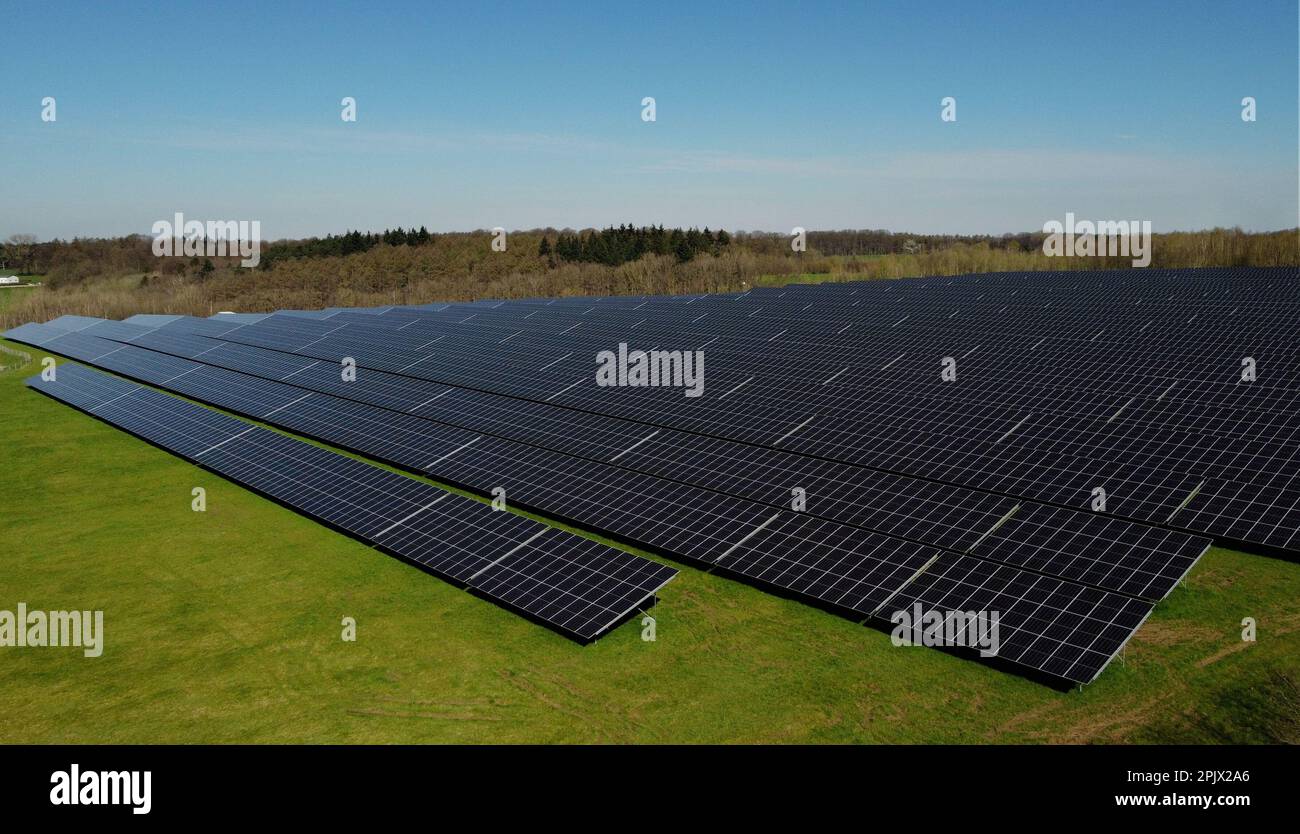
x,y
540,251
348,243
613,246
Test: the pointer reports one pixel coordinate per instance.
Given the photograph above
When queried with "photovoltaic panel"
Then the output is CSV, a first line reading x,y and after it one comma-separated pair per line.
x,y
1066,543
835,565
675,520
787,554
1043,381
578,586
1061,628
1129,558
531,580
671,518
1069,383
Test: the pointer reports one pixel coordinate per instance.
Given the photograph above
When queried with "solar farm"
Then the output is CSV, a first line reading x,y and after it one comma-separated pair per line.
x,y
1061,448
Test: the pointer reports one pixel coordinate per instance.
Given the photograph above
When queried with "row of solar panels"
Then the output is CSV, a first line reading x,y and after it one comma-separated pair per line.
x,y
1059,627
1186,445
578,586
1084,547
1153,360
1149,473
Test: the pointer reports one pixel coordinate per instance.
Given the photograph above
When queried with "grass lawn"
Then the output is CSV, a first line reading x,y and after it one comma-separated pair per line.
x,y
224,626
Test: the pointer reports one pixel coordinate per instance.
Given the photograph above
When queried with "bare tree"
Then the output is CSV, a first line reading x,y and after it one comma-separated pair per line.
x,y
19,249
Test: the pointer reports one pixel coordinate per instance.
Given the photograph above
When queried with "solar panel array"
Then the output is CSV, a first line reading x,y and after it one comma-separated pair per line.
x,y
1046,405
983,489
847,568
576,585
1114,554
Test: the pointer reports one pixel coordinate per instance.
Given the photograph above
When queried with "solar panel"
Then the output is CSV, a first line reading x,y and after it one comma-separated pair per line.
x,y
573,584
1057,627
811,559
669,518
1091,434
1050,408
1066,543
839,567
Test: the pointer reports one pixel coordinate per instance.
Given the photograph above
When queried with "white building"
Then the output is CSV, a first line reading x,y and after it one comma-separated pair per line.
x,y
8,279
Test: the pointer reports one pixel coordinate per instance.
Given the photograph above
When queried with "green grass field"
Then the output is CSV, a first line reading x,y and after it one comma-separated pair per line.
x,y
224,626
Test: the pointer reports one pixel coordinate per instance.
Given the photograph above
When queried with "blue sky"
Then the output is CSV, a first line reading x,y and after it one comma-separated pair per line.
x,y
769,115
